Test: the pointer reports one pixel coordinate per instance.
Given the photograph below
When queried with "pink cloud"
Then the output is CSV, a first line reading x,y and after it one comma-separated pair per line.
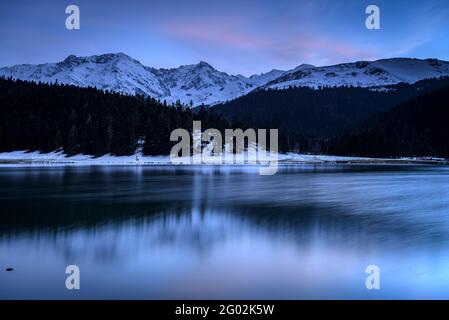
x,y
286,48
318,48
216,34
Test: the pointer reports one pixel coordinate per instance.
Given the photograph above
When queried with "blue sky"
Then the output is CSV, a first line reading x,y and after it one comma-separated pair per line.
x,y
236,36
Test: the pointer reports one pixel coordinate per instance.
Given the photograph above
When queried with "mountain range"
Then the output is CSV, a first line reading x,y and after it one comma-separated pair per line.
x,y
200,83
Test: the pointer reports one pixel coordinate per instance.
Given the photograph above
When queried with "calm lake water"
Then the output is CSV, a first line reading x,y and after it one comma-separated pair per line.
x,y
225,232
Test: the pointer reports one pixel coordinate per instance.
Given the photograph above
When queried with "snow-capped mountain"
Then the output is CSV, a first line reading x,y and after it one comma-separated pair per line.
x,y
114,72
362,73
200,83
261,79
192,84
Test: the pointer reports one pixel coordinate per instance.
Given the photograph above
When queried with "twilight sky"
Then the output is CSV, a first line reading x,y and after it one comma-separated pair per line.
x,y
236,36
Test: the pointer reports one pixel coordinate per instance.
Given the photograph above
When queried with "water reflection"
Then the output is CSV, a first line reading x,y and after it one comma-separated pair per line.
x,y
225,232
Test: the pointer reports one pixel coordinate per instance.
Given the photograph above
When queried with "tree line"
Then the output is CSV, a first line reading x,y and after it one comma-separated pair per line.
x,y
415,128
399,120
47,117
313,119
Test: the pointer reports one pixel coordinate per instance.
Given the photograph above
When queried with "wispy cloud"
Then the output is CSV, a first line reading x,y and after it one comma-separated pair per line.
x,y
249,36
284,48
216,34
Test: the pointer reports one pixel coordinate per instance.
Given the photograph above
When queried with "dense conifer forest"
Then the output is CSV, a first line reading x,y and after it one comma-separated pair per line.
x,y
399,120
419,127
312,119
86,120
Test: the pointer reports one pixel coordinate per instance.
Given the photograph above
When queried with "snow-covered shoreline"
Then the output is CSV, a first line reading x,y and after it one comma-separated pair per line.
x,y
35,158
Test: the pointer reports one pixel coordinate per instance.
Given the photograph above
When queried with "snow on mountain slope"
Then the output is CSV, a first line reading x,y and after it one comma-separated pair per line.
x,y
362,73
261,79
200,83
197,84
114,72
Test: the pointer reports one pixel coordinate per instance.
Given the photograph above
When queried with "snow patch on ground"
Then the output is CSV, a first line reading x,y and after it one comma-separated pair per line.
x,y
35,158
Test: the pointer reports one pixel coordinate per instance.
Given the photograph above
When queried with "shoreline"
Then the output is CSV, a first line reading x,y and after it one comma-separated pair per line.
x,y
33,159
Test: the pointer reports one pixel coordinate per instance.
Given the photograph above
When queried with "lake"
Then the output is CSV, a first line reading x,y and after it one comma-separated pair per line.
x,y
144,232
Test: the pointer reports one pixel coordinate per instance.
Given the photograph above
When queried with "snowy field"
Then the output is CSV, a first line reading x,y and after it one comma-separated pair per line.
x,y
26,158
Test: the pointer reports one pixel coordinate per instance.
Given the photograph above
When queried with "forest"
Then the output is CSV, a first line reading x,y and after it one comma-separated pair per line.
x,y
415,128
43,117
393,121
313,120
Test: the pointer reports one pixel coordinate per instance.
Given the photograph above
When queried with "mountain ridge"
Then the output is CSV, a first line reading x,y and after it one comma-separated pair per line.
x,y
201,83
